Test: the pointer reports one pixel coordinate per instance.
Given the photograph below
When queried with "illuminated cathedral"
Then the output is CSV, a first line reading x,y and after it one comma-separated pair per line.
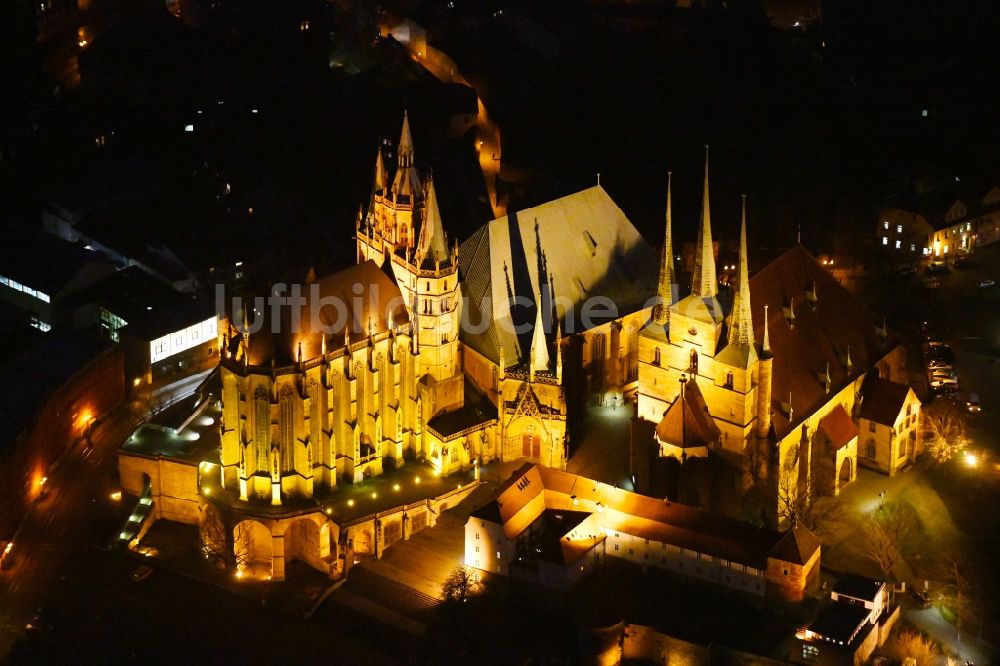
x,y
458,354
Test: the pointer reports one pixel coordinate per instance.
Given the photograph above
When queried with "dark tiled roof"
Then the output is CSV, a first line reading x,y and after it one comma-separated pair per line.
x,y
688,424
820,337
858,587
838,427
797,546
883,400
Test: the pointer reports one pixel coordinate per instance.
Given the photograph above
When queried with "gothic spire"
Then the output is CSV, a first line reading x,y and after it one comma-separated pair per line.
x,y
539,360
665,288
404,151
432,243
741,325
406,183
704,283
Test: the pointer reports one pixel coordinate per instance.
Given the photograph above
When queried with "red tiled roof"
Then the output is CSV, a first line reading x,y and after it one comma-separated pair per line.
x,y
687,422
838,427
821,334
883,400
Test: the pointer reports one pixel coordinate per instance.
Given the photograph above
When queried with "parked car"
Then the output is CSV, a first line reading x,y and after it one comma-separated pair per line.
x,y
937,268
984,284
972,404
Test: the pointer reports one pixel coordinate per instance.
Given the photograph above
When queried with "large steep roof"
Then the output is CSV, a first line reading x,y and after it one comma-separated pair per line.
x,y
821,336
580,246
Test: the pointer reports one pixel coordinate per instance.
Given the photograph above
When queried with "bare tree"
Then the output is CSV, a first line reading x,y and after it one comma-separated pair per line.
x,y
945,433
213,534
797,503
242,545
884,531
461,584
911,645
960,591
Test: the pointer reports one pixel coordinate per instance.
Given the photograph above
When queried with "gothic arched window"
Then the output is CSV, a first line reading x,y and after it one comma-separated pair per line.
x,y
261,428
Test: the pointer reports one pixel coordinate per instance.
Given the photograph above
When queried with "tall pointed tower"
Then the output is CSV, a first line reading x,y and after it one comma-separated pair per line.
x,y
741,323
736,365
666,290
396,209
696,320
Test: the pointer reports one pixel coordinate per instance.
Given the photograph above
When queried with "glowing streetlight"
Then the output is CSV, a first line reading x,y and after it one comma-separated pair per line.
x,y
971,459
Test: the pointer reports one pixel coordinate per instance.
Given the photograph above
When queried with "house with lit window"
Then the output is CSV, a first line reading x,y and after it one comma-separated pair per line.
x,y
551,527
941,223
888,420
859,618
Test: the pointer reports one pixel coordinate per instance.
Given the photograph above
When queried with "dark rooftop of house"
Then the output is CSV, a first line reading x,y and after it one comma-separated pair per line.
x,y
839,622
883,400
858,587
156,323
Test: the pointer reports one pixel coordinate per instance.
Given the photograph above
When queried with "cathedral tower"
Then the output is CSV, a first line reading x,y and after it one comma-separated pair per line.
x,y
397,209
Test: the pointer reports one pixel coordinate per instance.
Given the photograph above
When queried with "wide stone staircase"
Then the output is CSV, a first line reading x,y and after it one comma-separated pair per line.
x,y
389,593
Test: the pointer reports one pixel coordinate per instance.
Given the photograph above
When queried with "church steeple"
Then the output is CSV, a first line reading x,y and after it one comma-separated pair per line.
x,y
704,283
406,185
433,244
539,360
404,151
741,325
665,295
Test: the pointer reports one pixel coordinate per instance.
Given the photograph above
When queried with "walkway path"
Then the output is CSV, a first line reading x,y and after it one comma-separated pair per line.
x,y
487,133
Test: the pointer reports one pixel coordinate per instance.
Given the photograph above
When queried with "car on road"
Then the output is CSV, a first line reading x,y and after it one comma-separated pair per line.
x,y
985,284
142,572
937,268
972,404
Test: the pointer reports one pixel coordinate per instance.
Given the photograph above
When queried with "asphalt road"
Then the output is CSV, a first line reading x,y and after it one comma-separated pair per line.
x,y
56,528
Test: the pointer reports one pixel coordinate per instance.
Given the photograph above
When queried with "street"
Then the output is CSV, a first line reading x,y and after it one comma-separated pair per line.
x,y
57,528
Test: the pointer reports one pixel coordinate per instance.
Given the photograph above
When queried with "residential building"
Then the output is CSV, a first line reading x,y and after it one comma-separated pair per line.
x,y
889,420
